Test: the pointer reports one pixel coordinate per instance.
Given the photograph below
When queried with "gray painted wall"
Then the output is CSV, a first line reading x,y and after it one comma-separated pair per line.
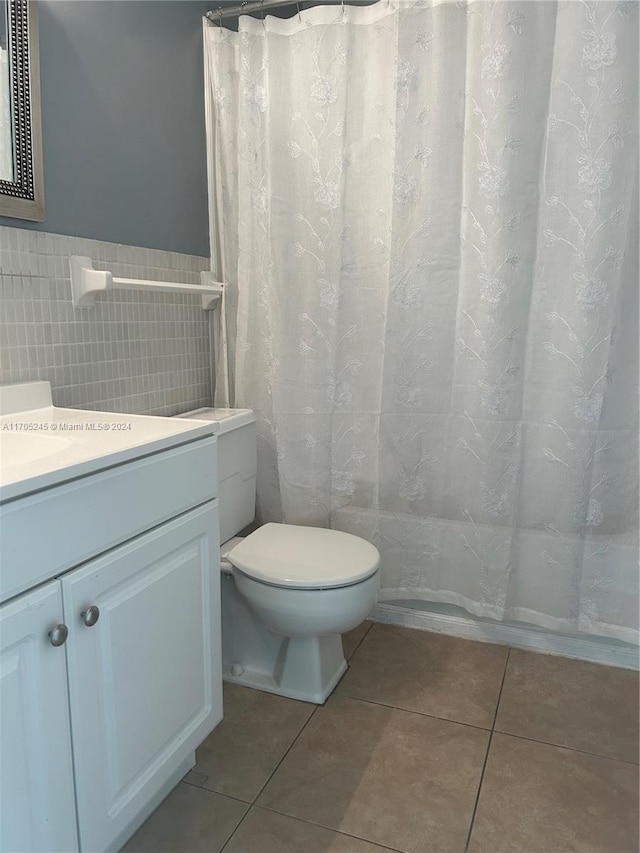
x,y
123,122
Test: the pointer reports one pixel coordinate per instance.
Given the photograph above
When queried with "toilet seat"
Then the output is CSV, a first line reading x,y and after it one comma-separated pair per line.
x,y
225,565
293,556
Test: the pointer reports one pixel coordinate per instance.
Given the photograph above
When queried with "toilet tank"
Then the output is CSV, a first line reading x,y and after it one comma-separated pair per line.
x,y
237,466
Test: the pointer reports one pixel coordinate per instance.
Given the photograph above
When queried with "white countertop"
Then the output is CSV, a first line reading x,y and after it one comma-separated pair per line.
x,y
43,447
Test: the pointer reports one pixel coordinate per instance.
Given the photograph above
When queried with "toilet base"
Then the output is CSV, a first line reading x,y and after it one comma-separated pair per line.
x,y
304,668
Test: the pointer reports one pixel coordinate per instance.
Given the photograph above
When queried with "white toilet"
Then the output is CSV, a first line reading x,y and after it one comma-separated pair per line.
x,y
288,592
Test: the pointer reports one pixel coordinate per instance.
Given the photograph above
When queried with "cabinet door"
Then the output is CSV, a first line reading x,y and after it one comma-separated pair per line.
x,y
37,809
145,681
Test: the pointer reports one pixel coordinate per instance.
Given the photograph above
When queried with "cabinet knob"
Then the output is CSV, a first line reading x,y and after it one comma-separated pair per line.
x,y
58,635
90,616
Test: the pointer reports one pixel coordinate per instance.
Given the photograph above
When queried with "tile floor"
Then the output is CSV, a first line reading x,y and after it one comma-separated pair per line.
x,y
429,744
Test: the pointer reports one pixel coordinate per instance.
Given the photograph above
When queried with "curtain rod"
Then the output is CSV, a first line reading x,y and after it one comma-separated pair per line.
x,y
216,15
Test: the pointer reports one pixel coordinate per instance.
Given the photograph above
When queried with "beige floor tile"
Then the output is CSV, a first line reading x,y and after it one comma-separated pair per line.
x,y
428,673
571,703
190,820
267,832
394,778
537,798
243,751
351,639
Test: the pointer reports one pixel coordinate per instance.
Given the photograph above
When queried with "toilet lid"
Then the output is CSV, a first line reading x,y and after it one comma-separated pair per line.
x,y
304,557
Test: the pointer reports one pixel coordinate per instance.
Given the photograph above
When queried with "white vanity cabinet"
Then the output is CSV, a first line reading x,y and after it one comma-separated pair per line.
x,y
110,670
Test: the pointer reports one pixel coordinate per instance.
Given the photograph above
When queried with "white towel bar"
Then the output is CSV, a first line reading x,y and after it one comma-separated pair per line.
x,y
87,282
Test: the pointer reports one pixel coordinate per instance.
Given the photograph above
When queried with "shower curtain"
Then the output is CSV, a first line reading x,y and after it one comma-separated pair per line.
x,y
426,217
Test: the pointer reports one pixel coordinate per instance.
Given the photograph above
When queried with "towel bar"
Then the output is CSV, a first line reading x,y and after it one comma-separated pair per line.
x,y
86,282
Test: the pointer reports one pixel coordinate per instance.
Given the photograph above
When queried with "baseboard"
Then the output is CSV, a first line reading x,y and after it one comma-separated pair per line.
x,y
596,651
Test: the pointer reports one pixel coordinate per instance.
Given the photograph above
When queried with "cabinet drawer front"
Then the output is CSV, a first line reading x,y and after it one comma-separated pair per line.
x,y
46,534
145,680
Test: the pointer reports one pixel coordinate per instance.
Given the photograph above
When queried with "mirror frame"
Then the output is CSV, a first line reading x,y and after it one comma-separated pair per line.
x,y
23,198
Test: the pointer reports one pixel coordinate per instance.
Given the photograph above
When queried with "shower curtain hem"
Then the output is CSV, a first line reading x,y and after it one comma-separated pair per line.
x,y
531,618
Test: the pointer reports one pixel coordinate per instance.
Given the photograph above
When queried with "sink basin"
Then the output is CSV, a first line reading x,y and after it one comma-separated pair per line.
x,y
42,445
19,448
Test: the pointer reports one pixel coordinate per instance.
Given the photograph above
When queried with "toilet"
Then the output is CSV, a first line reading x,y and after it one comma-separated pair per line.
x,y
288,592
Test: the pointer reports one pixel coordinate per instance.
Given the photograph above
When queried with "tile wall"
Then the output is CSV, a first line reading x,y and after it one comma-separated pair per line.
x,y
133,352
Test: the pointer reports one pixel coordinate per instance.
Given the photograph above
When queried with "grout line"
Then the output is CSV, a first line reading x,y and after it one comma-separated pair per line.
x,y
359,643
240,822
195,785
227,796
289,748
216,793
346,695
547,742
410,711
252,804
567,748
213,791
504,678
475,805
330,829
486,757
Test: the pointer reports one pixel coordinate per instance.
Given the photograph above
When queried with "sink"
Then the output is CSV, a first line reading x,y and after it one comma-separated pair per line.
x,y
20,448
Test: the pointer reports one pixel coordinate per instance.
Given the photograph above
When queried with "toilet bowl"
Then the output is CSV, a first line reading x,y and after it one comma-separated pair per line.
x,y
288,592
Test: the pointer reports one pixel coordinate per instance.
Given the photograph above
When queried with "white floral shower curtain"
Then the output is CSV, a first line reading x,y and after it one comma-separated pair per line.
x,y
427,216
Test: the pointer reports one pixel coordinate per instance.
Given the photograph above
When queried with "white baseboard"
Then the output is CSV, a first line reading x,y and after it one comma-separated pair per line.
x,y
596,651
